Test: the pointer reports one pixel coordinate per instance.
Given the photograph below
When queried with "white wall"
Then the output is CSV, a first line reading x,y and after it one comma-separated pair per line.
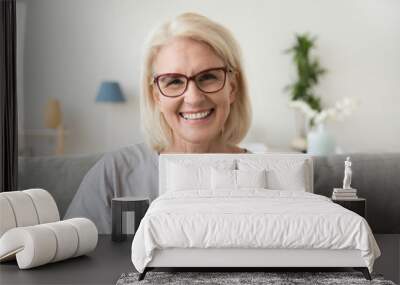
x,y
71,46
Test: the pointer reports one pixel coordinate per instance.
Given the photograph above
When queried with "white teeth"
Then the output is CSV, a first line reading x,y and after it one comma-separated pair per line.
x,y
195,116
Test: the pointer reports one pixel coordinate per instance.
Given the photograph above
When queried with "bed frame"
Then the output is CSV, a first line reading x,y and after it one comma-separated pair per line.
x,y
243,259
240,259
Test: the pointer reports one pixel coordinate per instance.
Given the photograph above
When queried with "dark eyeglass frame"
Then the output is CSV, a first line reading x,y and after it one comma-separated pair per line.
x,y
189,78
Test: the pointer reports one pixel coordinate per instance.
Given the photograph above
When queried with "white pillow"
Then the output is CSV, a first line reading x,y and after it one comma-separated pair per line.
x,y
182,178
223,179
185,175
251,178
282,174
237,179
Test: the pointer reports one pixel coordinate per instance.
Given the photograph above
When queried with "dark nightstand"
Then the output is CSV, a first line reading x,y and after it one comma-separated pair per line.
x,y
358,206
138,205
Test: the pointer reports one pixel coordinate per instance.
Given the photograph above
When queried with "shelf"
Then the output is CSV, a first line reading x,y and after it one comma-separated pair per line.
x,y
42,132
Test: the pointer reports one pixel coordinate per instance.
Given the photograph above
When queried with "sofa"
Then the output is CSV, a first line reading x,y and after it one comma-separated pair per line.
x,y
60,175
376,176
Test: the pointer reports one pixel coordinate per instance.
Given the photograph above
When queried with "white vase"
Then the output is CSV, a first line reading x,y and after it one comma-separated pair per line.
x,y
320,141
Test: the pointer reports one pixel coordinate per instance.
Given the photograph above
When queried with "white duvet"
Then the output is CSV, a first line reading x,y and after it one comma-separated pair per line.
x,y
251,218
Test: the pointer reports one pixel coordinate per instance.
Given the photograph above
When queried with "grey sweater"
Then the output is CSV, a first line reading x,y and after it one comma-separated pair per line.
x,y
130,171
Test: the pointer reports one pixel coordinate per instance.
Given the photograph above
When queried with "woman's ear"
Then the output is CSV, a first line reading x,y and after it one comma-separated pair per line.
x,y
155,96
233,84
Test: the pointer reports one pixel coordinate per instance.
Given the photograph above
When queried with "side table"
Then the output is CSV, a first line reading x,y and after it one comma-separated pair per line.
x,y
139,205
358,205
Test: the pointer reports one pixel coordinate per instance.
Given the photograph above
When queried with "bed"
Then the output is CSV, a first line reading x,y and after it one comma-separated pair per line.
x,y
247,210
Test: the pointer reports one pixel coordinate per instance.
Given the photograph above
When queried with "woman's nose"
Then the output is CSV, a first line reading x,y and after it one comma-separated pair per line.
x,y
193,95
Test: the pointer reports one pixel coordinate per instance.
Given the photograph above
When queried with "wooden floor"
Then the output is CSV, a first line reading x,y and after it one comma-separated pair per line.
x,y
389,262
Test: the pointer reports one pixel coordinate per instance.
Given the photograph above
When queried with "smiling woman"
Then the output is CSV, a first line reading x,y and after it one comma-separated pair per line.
x,y
193,100
197,117
210,114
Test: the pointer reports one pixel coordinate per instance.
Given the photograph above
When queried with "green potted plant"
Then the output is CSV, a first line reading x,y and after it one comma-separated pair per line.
x,y
303,99
308,71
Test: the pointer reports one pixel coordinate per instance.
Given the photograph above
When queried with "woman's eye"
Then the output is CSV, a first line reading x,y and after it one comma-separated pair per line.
x,y
174,82
207,76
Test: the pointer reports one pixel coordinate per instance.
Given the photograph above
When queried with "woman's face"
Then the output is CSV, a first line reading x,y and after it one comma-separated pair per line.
x,y
195,117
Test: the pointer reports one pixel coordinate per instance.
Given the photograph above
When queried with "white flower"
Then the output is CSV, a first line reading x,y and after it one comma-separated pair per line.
x,y
303,107
342,109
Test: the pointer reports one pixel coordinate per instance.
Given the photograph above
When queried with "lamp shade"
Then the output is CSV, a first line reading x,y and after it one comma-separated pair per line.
x,y
110,91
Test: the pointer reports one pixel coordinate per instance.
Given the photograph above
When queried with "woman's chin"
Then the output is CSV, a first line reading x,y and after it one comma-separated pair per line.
x,y
200,138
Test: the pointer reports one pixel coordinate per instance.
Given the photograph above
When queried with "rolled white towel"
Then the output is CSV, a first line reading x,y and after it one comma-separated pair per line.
x,y
23,208
87,234
26,208
67,239
7,218
46,207
40,244
32,246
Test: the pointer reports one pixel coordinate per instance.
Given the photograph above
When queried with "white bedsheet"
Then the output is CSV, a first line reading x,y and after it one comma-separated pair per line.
x,y
251,218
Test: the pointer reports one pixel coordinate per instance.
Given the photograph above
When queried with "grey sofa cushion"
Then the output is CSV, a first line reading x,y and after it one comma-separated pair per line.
x,y
60,175
375,176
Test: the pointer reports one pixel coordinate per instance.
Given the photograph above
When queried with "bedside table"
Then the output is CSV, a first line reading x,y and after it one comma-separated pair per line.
x,y
138,205
358,206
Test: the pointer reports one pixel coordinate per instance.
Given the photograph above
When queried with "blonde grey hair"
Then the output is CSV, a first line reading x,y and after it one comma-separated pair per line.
x,y
200,28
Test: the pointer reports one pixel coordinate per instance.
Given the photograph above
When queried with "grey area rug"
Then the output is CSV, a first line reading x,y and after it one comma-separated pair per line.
x,y
269,278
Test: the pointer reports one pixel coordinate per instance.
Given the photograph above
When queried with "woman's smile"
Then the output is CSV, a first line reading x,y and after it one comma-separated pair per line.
x,y
198,116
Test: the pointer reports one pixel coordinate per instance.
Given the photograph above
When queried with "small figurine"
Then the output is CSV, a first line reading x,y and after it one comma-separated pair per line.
x,y
347,174
345,193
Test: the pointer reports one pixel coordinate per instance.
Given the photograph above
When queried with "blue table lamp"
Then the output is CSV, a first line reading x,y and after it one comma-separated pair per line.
x,y
110,92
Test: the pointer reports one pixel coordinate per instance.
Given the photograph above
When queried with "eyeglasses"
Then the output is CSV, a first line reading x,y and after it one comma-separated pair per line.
x,y
208,81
